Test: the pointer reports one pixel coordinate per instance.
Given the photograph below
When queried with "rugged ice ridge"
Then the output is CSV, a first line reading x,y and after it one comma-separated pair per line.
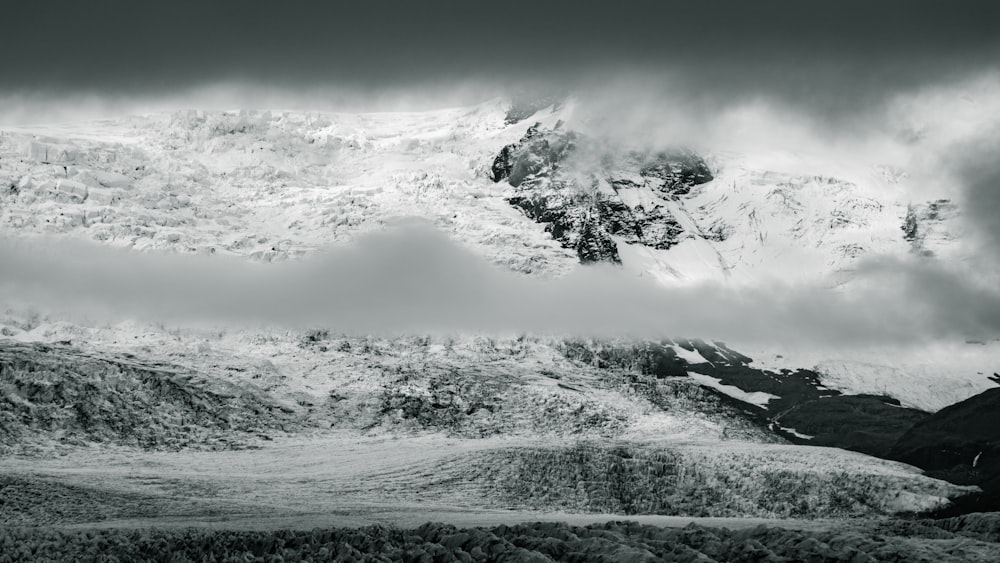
x,y
277,185
268,186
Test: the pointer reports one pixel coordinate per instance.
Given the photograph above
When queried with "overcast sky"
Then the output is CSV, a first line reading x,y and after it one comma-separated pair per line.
x,y
838,55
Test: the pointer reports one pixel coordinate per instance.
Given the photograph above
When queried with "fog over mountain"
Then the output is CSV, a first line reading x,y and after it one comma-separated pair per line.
x,y
412,279
314,274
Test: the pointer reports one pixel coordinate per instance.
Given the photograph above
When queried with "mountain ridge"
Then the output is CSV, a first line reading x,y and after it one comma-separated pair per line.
x,y
511,416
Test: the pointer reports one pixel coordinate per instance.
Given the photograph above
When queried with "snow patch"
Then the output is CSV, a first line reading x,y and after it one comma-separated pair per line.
x,y
690,356
758,398
793,432
928,387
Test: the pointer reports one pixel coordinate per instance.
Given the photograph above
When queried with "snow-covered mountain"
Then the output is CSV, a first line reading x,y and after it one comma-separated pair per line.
x,y
533,190
534,193
276,185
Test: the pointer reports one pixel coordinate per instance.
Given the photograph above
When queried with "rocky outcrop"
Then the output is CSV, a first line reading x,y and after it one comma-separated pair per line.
x,y
576,223
537,155
679,171
565,181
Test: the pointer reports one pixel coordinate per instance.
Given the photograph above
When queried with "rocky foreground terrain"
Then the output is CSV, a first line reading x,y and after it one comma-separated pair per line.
x,y
969,538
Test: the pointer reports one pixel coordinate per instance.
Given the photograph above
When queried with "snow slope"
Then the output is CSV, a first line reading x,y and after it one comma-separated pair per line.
x,y
272,186
276,185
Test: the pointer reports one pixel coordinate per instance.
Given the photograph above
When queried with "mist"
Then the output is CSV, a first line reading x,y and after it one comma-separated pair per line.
x,y
413,279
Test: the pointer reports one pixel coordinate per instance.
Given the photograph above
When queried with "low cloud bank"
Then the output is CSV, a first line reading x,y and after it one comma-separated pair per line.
x,y
414,279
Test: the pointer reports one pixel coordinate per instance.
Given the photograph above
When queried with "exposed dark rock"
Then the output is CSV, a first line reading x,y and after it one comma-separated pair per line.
x,y
863,423
576,210
503,163
791,387
679,171
538,153
723,363
593,243
962,437
574,220
960,443
909,226
648,358
313,337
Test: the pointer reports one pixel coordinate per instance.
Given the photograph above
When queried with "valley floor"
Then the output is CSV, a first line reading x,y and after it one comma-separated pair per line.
x,y
352,480
303,484
358,497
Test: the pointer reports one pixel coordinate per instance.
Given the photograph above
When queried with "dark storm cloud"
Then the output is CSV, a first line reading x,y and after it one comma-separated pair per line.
x,y
832,54
414,279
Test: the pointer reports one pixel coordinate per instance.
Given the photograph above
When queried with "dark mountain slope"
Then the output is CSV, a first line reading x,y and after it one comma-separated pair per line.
x,y
960,443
